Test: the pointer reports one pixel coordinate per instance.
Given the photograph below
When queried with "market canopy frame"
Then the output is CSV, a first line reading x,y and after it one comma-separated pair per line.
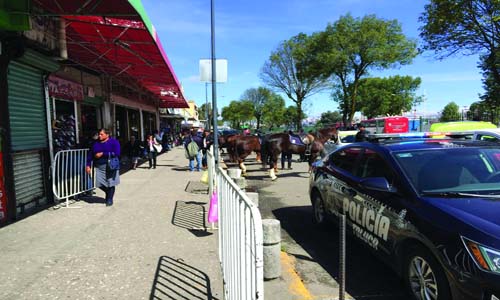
x,y
116,38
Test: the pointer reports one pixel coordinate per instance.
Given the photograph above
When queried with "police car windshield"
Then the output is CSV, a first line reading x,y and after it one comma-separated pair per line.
x,y
440,172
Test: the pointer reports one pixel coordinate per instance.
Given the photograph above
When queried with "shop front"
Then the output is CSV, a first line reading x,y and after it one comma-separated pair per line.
x,y
133,118
26,155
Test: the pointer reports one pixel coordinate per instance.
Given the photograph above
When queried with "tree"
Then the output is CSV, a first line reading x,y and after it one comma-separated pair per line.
x,y
273,111
450,113
329,117
202,111
349,48
291,115
388,96
468,27
286,71
237,112
259,97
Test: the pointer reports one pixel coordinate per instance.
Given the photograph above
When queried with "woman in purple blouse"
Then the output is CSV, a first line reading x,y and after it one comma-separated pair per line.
x,y
106,179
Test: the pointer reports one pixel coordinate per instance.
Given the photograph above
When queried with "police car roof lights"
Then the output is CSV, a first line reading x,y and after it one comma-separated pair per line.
x,y
402,136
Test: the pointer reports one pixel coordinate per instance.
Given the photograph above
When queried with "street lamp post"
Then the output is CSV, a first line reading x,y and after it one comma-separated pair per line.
x,y
214,86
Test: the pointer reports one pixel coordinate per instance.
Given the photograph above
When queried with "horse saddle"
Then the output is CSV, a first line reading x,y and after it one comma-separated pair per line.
x,y
296,140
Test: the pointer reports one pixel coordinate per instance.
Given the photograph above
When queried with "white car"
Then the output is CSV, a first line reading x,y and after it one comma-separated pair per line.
x,y
490,135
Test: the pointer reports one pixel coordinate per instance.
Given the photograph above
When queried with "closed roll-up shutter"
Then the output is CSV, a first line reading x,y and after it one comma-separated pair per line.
x,y
26,108
28,179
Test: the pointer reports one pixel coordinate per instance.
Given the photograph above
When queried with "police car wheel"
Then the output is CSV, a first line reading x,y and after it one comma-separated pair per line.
x,y
318,209
424,276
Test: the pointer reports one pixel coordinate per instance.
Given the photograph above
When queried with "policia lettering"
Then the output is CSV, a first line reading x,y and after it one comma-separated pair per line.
x,y
370,219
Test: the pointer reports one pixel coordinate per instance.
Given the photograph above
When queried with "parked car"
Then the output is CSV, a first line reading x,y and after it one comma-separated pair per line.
x,y
427,207
461,126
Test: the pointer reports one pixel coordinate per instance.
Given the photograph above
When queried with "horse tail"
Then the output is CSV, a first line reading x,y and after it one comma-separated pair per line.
x,y
264,151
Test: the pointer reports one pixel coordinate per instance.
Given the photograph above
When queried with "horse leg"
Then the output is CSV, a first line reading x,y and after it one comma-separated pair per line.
x,y
272,170
258,158
242,167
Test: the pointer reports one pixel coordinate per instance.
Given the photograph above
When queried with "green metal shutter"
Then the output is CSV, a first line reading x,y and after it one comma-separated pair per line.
x,y
26,108
28,183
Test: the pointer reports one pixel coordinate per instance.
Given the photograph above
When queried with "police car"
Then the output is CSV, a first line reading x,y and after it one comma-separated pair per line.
x,y
428,207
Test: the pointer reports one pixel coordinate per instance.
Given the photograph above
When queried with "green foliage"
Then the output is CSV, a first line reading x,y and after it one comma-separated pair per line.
x,y
203,110
450,113
329,117
388,96
273,111
291,115
468,27
259,97
349,48
238,112
287,71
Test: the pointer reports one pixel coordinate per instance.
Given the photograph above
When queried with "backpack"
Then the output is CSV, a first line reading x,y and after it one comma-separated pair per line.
x,y
192,149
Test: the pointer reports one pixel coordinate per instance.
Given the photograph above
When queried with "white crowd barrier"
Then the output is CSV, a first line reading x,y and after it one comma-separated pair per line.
x,y
68,174
240,240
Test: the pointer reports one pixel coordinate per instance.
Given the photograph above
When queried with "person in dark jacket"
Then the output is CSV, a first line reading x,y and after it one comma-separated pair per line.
x,y
192,156
361,136
133,150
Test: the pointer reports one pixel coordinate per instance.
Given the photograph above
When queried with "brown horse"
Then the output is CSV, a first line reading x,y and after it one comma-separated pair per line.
x,y
241,147
226,141
275,144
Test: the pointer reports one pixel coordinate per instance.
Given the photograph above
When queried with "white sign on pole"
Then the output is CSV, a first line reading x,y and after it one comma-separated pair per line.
x,y
220,70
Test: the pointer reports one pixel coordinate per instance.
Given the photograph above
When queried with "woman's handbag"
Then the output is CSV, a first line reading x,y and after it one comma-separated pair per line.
x,y
113,162
157,147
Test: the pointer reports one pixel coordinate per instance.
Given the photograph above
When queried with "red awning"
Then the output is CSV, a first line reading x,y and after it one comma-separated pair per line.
x,y
116,39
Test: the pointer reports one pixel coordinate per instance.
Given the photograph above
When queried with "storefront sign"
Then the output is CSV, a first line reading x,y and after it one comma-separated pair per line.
x,y
3,196
65,89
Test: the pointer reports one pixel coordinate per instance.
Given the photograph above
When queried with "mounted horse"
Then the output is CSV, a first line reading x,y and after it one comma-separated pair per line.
x,y
242,146
311,146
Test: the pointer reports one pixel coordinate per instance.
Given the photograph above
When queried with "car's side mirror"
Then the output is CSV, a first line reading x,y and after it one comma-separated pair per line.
x,y
377,184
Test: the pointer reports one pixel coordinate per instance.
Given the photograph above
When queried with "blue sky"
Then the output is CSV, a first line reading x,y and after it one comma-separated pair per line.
x,y
248,31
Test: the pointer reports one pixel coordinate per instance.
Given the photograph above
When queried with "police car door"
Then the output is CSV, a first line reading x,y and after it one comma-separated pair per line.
x,y
342,164
374,214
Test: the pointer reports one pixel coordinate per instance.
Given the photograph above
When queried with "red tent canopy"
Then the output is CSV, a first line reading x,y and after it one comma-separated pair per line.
x,y
115,37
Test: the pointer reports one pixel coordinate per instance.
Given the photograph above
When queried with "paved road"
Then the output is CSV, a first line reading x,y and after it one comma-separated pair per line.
x,y
315,249
140,248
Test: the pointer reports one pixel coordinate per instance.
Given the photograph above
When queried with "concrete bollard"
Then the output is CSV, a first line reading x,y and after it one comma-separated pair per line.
x,y
240,182
272,248
254,197
234,173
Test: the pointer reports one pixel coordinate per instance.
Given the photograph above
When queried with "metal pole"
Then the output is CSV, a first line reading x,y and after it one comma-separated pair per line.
x,y
206,106
214,87
342,258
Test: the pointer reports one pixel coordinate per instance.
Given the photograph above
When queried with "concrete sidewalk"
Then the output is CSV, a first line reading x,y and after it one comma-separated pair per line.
x,y
140,248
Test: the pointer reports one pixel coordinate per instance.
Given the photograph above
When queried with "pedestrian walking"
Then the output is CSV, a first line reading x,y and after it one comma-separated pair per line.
x,y
158,138
133,149
207,142
152,149
102,153
193,143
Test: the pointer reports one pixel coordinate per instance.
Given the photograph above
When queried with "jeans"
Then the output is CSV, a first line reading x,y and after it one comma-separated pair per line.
x,y
198,162
152,159
286,157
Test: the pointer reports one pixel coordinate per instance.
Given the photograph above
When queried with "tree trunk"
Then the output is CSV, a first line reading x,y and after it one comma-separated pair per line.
x,y
299,114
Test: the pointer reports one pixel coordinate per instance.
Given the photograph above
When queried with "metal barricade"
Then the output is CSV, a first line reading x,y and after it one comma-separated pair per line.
x,y
68,174
240,241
